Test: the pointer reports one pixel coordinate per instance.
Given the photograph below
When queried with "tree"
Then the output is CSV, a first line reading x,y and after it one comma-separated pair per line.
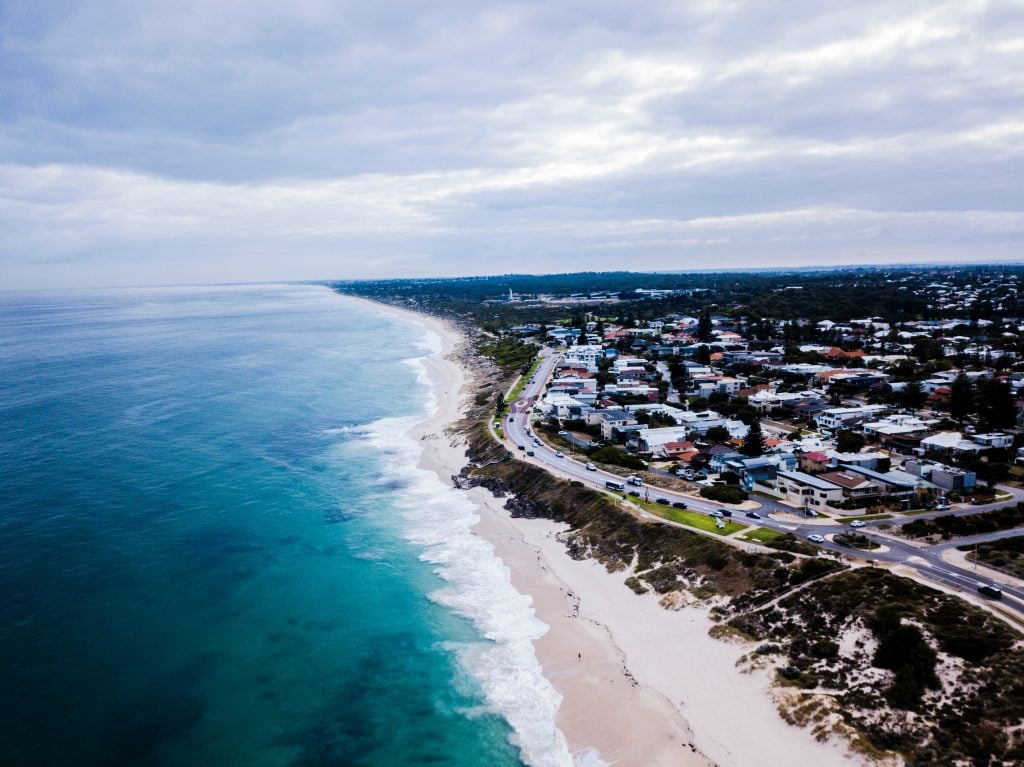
x,y
996,406
704,325
717,435
961,398
913,396
702,355
753,443
848,441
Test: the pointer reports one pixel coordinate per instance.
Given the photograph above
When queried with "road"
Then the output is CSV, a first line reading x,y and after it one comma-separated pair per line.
x,y
926,560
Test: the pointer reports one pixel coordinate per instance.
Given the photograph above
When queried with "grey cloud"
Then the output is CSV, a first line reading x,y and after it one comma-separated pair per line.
x,y
266,140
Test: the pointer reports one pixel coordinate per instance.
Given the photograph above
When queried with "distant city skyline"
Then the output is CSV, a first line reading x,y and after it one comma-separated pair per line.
x,y
222,141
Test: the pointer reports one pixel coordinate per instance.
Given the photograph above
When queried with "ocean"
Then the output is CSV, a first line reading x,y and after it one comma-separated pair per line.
x,y
216,548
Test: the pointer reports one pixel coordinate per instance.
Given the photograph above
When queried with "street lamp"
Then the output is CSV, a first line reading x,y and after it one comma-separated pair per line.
x,y
974,527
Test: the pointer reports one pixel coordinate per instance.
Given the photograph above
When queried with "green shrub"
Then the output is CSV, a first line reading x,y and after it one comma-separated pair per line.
x,y
726,494
616,457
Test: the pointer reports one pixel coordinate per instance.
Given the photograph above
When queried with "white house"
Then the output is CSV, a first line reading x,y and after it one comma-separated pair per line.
x,y
802,489
835,417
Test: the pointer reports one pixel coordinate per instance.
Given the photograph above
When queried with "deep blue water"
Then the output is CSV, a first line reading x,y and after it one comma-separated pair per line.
x,y
203,558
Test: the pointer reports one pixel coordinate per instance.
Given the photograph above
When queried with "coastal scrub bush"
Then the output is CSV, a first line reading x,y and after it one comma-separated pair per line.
x,y
510,354
972,524
726,494
616,457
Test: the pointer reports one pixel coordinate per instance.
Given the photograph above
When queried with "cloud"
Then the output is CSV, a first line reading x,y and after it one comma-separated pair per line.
x,y
258,140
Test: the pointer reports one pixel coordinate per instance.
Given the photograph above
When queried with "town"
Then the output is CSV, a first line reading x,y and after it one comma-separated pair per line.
x,y
829,463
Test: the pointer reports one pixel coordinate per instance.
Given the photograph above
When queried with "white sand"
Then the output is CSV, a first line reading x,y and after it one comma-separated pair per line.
x,y
641,684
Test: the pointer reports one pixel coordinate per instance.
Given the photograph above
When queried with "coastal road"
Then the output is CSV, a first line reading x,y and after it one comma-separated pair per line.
x,y
927,561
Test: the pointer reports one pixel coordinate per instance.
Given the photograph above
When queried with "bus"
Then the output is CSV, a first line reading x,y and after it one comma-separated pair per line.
x,y
612,484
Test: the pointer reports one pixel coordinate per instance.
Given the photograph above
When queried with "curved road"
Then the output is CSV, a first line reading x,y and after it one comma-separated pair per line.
x,y
925,560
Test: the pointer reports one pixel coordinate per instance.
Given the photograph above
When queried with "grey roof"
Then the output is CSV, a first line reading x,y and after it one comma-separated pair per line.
x,y
808,479
878,476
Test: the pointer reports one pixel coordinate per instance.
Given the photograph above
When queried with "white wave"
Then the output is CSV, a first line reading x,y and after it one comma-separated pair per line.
x,y
479,587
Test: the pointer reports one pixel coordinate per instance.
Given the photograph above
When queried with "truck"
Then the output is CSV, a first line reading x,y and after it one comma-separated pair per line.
x,y
633,479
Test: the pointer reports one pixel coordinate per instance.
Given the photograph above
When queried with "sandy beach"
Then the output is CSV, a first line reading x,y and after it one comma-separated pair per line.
x,y
641,684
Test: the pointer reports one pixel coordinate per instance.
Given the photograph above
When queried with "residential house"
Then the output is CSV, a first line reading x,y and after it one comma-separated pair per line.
x,y
814,462
805,490
854,486
890,485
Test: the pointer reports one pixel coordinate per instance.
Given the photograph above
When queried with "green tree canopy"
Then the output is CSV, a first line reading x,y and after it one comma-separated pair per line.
x,y
848,441
717,435
961,398
753,443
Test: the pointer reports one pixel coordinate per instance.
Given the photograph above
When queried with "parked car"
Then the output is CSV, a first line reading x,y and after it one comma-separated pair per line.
x,y
857,523
753,515
816,538
662,501
634,493
678,505
591,467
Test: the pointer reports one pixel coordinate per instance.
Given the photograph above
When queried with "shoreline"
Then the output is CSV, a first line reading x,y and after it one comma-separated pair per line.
x,y
640,684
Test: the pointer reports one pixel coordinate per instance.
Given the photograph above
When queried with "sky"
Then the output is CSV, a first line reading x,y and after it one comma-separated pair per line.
x,y
250,140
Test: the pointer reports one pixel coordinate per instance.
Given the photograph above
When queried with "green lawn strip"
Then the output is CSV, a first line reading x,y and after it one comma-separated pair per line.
x,y
513,395
865,518
695,519
761,535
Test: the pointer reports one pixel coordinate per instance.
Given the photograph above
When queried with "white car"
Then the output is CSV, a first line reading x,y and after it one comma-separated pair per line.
x,y
816,538
716,514
559,454
942,507
591,467
857,523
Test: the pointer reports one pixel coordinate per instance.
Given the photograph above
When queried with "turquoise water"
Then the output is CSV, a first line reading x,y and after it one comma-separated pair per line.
x,y
210,553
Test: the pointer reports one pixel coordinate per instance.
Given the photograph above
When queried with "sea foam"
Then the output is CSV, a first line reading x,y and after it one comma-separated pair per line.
x,y
479,588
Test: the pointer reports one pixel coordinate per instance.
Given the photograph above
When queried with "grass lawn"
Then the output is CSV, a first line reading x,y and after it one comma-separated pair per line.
x,y
521,383
694,519
761,535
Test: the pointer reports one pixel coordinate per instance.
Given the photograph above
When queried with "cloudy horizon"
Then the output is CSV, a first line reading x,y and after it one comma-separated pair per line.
x,y
225,141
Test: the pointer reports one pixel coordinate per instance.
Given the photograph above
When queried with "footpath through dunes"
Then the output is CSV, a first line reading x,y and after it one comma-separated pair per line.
x,y
838,685
722,619
607,708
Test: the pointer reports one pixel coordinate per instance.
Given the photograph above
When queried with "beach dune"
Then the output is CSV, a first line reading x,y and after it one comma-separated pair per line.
x,y
641,684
